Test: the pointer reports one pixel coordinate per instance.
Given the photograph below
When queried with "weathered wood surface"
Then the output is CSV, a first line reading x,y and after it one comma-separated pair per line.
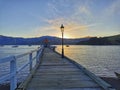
x,y
55,73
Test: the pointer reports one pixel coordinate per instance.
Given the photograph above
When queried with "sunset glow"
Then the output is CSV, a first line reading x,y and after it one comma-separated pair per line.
x,y
81,18
65,36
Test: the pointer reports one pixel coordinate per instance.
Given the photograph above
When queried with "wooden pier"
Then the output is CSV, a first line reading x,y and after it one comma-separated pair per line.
x,y
56,73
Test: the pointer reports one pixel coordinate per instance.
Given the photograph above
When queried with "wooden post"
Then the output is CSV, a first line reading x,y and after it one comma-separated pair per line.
x,y
40,54
13,79
30,61
37,56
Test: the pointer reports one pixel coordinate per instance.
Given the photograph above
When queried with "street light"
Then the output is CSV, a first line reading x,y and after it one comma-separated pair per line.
x,y
62,30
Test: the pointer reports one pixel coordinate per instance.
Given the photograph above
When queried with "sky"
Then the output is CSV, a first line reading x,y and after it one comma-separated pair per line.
x,y
81,18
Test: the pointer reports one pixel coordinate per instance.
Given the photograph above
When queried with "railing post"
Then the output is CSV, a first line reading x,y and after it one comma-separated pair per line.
x,y
37,57
40,52
13,79
30,61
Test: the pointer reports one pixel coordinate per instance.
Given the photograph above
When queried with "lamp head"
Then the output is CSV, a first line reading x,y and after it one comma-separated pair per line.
x,y
62,28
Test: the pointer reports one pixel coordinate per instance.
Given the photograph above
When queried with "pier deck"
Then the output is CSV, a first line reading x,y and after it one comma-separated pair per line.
x,y
56,73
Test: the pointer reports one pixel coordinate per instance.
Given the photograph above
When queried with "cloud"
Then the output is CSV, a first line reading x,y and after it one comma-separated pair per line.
x,y
54,25
55,22
84,10
70,13
75,16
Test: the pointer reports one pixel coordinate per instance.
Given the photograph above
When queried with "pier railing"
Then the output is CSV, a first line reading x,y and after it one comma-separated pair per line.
x,y
14,70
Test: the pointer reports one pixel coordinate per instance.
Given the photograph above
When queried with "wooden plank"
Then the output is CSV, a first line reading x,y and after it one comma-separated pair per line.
x,y
49,75
57,66
62,83
71,77
98,80
56,73
24,84
52,88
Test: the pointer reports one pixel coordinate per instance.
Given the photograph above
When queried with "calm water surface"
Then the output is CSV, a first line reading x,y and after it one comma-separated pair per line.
x,y
8,51
101,60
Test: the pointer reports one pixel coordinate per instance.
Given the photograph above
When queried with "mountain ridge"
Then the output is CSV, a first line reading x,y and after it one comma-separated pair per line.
x,y
7,40
108,40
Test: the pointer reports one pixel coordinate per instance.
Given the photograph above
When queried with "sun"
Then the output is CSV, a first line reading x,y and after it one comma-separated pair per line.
x,y
66,36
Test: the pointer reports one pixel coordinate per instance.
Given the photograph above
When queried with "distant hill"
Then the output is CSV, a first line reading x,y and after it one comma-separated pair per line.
x,y
111,40
5,40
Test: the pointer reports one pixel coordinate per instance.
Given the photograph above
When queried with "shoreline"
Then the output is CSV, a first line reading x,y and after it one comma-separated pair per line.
x,y
114,82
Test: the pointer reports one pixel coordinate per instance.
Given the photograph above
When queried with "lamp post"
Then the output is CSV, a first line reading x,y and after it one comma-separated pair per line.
x,y
62,30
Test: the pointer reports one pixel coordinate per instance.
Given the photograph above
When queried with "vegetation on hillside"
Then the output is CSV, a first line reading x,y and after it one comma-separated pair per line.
x,y
111,40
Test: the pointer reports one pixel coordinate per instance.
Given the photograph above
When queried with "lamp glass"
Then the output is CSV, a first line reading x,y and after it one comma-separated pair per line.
x,y
62,28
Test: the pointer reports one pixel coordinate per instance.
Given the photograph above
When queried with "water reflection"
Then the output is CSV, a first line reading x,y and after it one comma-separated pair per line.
x,y
101,60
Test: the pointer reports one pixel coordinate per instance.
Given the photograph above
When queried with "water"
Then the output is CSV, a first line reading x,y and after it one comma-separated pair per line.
x,y
101,60
8,51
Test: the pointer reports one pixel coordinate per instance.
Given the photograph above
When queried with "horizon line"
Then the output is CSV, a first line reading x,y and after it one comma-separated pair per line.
x,y
57,36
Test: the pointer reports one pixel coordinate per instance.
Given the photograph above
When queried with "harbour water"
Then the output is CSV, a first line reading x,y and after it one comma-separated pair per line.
x,y
9,50
101,60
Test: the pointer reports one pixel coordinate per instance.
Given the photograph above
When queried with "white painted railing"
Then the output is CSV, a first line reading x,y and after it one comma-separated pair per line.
x,y
12,76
